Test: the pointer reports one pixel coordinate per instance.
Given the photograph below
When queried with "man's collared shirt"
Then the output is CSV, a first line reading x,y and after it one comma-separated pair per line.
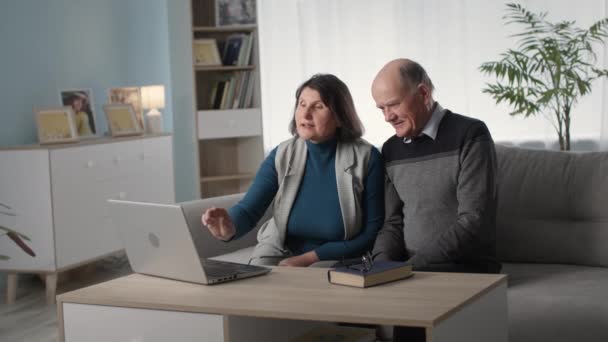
x,y
432,126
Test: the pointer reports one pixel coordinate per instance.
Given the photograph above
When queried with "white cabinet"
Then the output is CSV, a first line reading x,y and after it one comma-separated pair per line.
x,y
59,193
234,123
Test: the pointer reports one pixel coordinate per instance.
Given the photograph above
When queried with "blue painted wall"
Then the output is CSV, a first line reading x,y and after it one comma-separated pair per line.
x,y
51,45
182,81
62,44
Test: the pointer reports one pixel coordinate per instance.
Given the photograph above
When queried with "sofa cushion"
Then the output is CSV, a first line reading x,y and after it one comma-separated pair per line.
x,y
557,302
552,206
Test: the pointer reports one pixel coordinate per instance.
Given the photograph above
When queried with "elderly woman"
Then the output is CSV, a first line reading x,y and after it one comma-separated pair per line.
x,y
326,182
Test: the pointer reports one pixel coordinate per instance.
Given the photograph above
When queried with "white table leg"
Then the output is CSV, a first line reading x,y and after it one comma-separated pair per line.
x,y
485,319
11,287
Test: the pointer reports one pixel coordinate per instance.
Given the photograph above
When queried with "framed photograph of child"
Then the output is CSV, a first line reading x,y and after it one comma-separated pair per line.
x,y
234,12
56,125
206,52
128,95
81,101
122,120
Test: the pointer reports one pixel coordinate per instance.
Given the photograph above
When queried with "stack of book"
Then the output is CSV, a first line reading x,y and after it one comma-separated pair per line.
x,y
233,91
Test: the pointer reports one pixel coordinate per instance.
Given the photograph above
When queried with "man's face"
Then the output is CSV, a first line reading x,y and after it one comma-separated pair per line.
x,y
405,109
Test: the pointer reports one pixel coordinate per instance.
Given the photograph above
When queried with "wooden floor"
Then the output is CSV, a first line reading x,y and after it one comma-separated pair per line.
x,y
30,318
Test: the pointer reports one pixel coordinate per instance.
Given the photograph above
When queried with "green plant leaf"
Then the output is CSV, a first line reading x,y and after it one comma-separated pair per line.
x,y
8,230
551,68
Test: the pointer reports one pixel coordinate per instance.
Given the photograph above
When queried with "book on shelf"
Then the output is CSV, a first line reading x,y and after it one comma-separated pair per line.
x,y
232,49
381,272
245,52
232,92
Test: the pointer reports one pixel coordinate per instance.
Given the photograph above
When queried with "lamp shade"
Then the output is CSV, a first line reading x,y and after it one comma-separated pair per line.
x,y
153,97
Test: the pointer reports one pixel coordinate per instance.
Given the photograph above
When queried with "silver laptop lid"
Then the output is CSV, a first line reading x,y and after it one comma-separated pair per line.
x,y
157,240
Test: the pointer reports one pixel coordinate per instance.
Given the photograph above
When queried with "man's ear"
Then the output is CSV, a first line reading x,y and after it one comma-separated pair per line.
x,y
425,92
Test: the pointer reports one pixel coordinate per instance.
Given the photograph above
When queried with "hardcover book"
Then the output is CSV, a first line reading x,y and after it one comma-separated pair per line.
x,y
381,272
232,49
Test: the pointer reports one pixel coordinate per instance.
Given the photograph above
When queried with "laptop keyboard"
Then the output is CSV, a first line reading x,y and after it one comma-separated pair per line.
x,y
214,268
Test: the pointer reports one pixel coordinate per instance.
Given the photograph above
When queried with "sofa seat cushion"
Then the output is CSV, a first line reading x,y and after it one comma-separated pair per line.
x,y
241,256
549,302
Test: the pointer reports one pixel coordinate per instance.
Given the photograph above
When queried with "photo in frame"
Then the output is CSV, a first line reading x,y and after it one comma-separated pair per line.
x,y
206,52
235,12
122,120
81,101
56,125
128,95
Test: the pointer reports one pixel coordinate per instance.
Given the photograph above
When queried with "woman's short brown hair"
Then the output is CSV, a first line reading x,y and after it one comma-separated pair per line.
x,y
336,96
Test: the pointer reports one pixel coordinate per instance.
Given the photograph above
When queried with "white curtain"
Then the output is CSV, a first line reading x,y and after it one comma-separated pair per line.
x,y
353,39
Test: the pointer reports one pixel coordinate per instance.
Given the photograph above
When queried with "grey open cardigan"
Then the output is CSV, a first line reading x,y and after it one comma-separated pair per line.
x,y
351,168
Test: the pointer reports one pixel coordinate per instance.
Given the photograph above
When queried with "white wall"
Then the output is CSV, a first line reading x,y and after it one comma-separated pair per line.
x,y
451,39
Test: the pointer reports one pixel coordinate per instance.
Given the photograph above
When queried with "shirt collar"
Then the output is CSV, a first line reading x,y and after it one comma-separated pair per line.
x,y
432,126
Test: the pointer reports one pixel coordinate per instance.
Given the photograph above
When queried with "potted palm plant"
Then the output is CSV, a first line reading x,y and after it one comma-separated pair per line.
x,y
550,70
13,235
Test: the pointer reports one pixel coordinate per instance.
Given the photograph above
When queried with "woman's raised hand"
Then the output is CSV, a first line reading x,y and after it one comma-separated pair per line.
x,y
219,223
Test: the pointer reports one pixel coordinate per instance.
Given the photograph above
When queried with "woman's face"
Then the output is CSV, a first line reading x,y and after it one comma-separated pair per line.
x,y
314,120
77,104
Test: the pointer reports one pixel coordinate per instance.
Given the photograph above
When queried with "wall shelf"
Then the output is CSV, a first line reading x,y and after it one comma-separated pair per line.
x,y
224,68
224,29
241,176
228,117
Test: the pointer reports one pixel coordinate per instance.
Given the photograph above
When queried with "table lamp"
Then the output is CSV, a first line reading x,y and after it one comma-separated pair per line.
x,y
153,98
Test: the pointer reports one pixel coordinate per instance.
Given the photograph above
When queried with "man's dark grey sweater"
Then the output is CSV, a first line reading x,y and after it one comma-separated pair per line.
x,y
441,197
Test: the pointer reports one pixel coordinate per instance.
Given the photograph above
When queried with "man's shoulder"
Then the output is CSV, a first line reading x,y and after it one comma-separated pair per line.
x,y
456,126
454,119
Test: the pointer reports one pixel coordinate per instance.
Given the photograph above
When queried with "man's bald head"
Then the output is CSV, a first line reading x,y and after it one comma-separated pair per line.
x,y
403,91
405,73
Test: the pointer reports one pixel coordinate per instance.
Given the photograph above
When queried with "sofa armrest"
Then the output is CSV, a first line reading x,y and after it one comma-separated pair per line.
x,y
207,245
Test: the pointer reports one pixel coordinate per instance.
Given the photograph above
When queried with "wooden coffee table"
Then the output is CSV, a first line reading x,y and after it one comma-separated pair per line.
x,y
281,305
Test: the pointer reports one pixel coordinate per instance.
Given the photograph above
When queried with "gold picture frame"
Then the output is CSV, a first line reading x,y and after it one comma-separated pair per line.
x,y
56,125
128,95
206,53
122,120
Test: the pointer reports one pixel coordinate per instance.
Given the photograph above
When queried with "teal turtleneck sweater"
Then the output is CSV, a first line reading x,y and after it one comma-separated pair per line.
x,y
315,221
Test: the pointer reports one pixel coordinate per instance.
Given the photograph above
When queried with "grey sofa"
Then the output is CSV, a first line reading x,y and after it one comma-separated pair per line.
x,y
552,237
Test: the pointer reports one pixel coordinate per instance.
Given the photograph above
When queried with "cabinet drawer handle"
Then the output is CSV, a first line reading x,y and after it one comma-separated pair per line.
x,y
90,164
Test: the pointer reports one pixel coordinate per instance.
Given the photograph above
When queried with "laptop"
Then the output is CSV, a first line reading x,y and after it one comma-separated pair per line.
x,y
159,242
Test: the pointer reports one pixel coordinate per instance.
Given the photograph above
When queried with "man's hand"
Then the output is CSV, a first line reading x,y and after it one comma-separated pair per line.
x,y
303,260
219,223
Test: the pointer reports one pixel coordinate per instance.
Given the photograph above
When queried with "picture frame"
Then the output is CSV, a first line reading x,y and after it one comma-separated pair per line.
x,y
235,12
205,52
128,95
81,101
122,120
56,125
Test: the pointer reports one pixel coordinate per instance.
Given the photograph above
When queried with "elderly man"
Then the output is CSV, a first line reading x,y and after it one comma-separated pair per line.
x,y
440,178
